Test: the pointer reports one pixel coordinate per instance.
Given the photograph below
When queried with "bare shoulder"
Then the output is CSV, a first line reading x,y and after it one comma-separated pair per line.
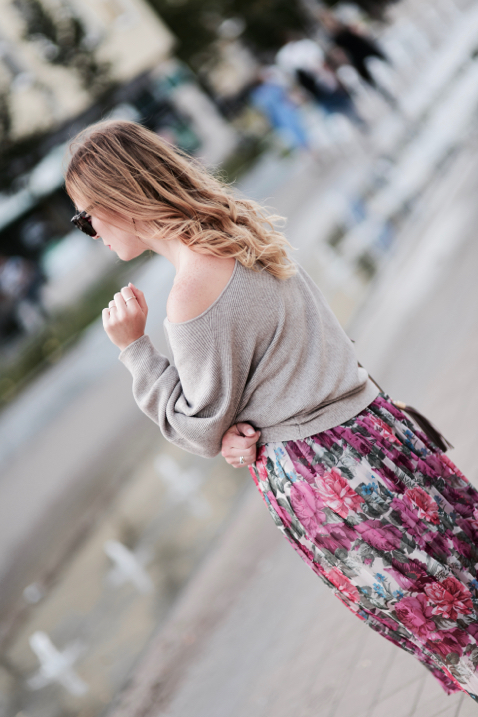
x,y
197,287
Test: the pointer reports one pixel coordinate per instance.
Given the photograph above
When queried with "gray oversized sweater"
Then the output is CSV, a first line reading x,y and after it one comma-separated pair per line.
x,y
268,352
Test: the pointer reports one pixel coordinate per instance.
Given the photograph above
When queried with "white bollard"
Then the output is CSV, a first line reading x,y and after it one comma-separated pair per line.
x,y
128,567
55,665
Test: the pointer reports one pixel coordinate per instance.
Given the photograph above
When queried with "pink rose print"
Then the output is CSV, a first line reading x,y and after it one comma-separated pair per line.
x,y
343,584
461,546
281,512
411,576
382,537
449,641
452,467
405,582
470,527
307,506
415,614
334,536
451,598
438,544
343,534
426,506
261,461
473,630
336,493
383,428
410,521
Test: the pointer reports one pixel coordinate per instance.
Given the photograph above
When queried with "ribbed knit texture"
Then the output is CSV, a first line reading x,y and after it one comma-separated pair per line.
x,y
268,352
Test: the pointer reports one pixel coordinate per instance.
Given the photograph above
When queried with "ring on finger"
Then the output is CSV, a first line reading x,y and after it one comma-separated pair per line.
x,y
129,299
241,460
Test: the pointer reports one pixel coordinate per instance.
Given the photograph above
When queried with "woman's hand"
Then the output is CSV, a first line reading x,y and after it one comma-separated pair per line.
x,y
240,440
125,319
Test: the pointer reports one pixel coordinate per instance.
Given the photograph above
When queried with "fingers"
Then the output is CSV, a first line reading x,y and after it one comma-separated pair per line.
x,y
234,438
236,446
138,294
123,301
128,296
123,320
245,429
119,301
239,459
241,443
246,453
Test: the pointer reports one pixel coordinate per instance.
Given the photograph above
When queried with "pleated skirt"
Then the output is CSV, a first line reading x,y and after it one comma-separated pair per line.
x,y
390,524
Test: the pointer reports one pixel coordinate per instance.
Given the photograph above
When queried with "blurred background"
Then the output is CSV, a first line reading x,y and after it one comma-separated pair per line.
x,y
357,122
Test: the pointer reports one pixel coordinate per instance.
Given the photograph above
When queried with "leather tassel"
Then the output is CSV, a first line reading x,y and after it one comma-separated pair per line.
x,y
428,429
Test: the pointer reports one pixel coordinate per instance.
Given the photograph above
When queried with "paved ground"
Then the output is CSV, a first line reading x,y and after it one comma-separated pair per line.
x,y
255,633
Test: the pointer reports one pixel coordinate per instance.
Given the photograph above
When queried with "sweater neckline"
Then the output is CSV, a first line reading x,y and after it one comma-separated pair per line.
x,y
216,300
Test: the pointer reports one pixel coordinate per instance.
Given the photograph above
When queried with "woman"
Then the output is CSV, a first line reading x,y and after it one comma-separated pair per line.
x,y
366,499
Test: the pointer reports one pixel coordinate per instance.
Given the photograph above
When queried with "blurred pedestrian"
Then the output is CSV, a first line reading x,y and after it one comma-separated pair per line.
x,y
271,97
261,370
305,62
357,49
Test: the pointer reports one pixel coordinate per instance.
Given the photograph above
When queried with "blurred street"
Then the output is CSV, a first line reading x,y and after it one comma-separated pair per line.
x,y
109,535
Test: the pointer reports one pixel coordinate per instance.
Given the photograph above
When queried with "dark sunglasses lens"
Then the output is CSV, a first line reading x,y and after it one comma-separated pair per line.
x,y
84,225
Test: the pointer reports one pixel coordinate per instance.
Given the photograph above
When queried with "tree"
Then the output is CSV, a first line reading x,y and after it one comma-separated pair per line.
x,y
267,22
63,40
196,22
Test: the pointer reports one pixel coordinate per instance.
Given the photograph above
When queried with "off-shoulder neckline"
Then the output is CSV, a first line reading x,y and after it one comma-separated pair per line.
x,y
203,313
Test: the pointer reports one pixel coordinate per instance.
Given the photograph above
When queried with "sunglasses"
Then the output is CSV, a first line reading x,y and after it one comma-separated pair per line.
x,y
82,221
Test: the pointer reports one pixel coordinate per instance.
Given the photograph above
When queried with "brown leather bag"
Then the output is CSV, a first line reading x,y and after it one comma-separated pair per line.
x,y
427,427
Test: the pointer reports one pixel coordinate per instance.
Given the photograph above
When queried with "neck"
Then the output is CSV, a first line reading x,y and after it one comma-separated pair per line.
x,y
174,250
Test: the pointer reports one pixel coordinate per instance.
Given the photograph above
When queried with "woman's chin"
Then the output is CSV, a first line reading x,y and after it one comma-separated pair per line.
x,y
126,255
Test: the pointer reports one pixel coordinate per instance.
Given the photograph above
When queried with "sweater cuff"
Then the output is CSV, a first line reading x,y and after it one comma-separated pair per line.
x,y
137,353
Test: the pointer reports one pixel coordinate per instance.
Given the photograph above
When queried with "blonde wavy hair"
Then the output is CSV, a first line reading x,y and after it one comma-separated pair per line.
x,y
122,168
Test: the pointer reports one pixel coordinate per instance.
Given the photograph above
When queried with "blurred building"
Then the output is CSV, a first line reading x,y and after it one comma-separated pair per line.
x,y
63,65
119,38
58,56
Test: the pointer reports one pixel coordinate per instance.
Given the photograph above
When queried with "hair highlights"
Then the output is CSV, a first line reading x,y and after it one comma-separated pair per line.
x,y
121,167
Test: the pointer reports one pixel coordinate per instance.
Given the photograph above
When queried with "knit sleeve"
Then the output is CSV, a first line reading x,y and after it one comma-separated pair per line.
x,y
194,404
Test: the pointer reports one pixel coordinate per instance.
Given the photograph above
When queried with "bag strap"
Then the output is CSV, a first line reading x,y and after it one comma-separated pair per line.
x,y
427,427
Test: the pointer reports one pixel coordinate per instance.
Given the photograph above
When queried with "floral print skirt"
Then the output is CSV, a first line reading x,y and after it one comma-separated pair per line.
x,y
391,525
